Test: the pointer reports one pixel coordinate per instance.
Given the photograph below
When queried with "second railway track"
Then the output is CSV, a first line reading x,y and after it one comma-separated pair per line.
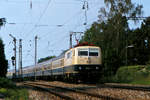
x,y
128,87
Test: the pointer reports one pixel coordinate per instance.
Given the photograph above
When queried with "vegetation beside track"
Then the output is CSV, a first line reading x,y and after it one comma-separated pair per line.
x,y
139,74
10,91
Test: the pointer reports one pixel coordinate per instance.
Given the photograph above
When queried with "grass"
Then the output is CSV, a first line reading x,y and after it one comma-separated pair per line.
x,y
141,80
139,74
14,94
11,92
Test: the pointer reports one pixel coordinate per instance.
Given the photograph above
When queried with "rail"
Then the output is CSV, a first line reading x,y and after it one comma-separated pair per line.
x,y
47,88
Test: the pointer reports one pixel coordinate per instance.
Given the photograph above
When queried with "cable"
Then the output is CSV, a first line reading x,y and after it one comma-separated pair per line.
x,y
68,35
41,16
67,21
45,36
64,23
27,35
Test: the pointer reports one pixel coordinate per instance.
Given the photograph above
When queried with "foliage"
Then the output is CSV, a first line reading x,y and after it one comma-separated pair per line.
x,y
140,39
133,74
120,45
6,83
16,94
3,61
11,92
46,58
124,7
2,21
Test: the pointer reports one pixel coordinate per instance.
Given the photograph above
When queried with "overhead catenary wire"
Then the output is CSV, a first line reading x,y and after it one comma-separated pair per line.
x,y
42,14
57,2
32,23
27,36
39,19
61,38
66,21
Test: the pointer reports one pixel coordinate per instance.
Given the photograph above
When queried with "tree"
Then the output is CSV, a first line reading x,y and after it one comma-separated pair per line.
x,y
116,13
45,59
111,31
3,61
121,7
140,39
2,21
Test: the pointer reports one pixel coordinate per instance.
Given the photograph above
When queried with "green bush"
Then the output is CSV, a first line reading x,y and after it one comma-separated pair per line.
x,y
3,91
11,91
17,94
148,68
6,83
124,75
108,79
133,74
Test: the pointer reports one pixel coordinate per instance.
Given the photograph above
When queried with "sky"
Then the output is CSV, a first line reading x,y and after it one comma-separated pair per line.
x,y
51,20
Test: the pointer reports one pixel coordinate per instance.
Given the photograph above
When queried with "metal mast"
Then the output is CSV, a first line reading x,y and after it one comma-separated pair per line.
x,y
14,40
35,54
20,57
74,33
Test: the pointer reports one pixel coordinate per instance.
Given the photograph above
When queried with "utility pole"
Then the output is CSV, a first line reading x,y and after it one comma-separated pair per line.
x,y
71,40
14,40
35,54
20,57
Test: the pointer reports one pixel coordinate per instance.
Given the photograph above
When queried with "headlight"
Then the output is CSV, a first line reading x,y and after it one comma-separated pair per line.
x,y
97,67
80,68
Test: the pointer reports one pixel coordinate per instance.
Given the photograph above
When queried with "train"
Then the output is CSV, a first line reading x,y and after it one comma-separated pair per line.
x,y
80,63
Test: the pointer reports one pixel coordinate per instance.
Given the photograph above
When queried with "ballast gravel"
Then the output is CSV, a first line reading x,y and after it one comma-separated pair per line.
x,y
124,94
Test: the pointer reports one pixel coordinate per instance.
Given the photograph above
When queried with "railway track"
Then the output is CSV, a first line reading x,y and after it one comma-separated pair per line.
x,y
68,93
118,86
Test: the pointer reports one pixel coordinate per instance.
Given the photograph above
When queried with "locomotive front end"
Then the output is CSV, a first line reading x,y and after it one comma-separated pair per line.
x,y
88,62
89,55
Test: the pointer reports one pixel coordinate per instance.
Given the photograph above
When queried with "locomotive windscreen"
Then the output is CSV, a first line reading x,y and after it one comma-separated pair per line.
x,y
88,52
93,52
83,52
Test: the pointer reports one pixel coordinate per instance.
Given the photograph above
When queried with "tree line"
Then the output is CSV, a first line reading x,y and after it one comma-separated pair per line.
x,y
3,61
120,44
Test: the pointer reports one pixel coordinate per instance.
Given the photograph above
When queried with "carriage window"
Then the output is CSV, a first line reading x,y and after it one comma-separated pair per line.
x,y
93,52
83,52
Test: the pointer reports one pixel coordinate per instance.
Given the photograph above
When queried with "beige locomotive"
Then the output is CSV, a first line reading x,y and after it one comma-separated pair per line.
x,y
83,63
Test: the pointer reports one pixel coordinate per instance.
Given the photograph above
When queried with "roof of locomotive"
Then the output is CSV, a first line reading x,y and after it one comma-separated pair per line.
x,y
84,47
87,47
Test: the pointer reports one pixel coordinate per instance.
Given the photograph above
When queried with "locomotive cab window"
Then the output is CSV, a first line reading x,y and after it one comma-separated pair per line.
x,y
93,52
69,55
83,52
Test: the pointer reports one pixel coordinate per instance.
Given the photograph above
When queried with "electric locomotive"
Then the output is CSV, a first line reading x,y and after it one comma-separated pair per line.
x,y
83,63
